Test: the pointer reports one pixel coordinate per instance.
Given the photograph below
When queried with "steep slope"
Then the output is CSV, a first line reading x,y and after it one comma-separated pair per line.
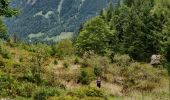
x,y
51,17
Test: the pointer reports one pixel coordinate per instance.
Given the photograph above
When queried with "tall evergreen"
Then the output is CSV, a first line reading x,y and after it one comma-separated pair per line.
x,y
6,11
139,28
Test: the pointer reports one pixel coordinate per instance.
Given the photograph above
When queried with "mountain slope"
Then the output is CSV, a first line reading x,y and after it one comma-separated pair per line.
x,y
52,17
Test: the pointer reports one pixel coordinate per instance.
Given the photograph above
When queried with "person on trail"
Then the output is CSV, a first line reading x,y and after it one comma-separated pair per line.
x,y
98,82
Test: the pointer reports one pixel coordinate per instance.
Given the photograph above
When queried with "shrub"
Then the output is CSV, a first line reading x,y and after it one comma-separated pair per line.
x,y
84,92
5,54
91,60
45,92
36,74
77,60
77,92
25,89
63,48
2,63
141,77
21,59
6,85
66,65
3,51
122,60
94,92
97,71
55,62
84,77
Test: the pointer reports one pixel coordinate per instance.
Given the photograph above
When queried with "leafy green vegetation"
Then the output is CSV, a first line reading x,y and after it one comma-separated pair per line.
x,y
115,46
139,28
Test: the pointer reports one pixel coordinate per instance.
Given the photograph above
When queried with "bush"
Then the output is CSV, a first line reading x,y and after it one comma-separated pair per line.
x,y
45,92
77,60
98,71
63,48
84,78
84,92
5,54
122,60
2,63
141,77
25,89
66,65
55,62
6,85
94,92
91,60
77,92
40,48
3,51
21,59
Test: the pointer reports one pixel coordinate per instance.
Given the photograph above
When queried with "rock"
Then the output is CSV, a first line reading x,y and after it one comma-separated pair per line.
x,y
155,59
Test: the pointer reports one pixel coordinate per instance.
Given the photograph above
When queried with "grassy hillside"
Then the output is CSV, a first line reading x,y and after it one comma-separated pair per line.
x,y
115,46
42,72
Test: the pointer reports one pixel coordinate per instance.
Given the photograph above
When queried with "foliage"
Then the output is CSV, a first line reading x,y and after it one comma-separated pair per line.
x,y
4,52
77,60
137,76
84,92
84,77
138,28
93,92
43,93
94,36
36,63
3,30
98,71
6,84
6,11
25,90
132,29
91,60
55,62
63,48
66,65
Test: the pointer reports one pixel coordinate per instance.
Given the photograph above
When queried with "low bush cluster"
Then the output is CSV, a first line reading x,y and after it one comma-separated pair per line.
x,y
87,92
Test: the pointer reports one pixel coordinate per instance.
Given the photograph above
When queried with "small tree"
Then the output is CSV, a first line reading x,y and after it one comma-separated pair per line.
x,y
94,36
3,30
97,71
63,48
37,67
6,11
84,77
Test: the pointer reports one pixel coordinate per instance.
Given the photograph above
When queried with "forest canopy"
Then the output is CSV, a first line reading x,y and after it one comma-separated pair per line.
x,y
139,28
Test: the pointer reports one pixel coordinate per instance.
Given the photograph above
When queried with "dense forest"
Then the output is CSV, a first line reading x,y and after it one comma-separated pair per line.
x,y
115,45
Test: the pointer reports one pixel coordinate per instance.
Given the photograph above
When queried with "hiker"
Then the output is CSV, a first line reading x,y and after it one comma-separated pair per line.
x,y
98,82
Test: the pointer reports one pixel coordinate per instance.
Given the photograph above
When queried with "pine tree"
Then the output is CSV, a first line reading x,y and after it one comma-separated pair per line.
x,y
6,11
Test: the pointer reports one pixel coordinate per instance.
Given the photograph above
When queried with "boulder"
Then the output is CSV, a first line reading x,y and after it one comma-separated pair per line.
x,y
155,59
